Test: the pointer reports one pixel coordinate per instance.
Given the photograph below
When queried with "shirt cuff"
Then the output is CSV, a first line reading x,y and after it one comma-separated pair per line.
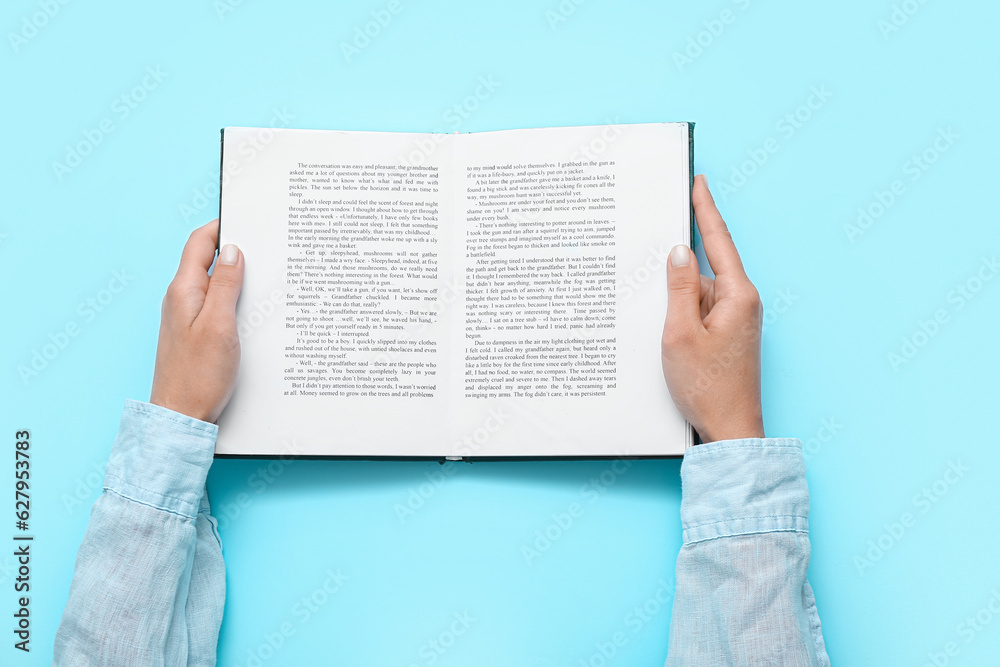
x,y
161,458
745,486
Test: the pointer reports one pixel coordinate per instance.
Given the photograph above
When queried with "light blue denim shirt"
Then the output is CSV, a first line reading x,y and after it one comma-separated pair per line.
x,y
149,585
742,596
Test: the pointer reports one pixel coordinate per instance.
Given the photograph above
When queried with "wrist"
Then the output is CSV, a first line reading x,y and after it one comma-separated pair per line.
x,y
735,431
185,408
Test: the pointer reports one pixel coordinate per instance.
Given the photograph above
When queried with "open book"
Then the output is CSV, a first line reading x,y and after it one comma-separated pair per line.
x,y
495,294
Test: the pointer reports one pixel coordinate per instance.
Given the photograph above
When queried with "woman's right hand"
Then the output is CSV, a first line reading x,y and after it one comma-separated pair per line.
x,y
711,337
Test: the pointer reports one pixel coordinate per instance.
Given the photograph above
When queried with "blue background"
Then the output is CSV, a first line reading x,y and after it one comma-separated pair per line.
x,y
838,305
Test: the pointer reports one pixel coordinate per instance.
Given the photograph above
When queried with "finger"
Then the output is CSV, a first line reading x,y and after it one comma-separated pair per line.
x,y
199,251
719,246
186,293
684,293
707,296
225,284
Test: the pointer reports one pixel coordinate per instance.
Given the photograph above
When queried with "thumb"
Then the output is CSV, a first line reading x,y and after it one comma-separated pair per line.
x,y
225,283
684,291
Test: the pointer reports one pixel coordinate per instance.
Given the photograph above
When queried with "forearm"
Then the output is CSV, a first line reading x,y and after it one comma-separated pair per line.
x,y
206,593
131,590
742,596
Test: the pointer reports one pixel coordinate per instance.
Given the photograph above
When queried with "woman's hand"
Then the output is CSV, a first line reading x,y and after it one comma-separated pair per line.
x,y
198,354
711,337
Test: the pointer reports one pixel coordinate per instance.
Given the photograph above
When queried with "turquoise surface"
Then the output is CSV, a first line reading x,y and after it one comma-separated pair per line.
x,y
852,147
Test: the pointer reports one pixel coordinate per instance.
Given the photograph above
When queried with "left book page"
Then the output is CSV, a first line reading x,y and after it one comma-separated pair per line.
x,y
340,320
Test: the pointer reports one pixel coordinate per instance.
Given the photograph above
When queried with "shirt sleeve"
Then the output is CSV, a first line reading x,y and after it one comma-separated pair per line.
x,y
148,587
742,597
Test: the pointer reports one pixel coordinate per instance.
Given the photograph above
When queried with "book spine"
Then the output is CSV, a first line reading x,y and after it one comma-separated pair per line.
x,y
222,157
695,438
690,177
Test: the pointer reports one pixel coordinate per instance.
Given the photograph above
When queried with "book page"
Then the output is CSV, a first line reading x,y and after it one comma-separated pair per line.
x,y
562,236
348,250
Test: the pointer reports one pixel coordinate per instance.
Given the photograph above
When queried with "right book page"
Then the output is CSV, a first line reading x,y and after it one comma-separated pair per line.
x,y
561,242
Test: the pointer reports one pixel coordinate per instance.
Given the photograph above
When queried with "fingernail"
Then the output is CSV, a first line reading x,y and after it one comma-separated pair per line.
x,y
680,256
229,254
